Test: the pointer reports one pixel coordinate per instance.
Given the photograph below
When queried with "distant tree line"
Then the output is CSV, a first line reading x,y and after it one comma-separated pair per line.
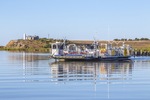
x,y
136,39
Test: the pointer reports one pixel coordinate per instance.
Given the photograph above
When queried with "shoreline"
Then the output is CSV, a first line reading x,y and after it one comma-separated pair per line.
x,y
44,45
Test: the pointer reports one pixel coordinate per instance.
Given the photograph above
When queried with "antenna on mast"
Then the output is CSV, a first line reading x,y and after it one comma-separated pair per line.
x,y
124,39
64,43
108,34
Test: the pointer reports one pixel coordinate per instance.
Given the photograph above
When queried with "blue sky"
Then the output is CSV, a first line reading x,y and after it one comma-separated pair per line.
x,y
74,19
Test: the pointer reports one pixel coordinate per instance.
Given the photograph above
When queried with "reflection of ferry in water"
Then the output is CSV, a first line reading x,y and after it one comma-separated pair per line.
x,y
75,71
94,51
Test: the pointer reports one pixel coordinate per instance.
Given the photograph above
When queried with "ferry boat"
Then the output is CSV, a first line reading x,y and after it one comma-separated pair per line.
x,y
94,52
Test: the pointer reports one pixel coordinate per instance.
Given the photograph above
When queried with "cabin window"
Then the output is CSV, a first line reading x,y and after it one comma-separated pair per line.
x,y
92,47
61,46
72,47
54,46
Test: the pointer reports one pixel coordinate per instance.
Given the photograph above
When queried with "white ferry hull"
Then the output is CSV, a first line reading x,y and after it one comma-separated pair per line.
x,y
81,57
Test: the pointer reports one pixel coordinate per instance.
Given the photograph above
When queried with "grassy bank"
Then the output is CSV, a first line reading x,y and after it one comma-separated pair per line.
x,y
43,45
27,49
137,45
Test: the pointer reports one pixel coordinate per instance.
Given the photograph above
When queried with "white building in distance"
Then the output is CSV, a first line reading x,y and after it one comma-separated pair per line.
x,y
25,37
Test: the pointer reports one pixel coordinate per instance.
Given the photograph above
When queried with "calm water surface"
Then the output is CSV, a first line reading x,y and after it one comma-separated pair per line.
x,y
33,76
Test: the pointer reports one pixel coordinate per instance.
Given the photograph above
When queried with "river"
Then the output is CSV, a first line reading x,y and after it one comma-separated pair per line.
x,y
33,76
